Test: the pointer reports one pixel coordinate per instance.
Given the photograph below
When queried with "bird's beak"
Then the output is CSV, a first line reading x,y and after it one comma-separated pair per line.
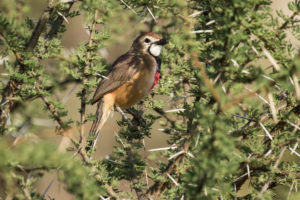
x,y
162,42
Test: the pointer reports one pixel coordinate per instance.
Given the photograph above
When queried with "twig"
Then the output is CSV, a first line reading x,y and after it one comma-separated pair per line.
x,y
284,25
243,175
85,69
52,109
242,117
134,177
163,114
156,188
206,79
124,115
58,22
290,191
267,184
294,125
47,188
260,97
128,7
40,25
293,151
237,100
23,188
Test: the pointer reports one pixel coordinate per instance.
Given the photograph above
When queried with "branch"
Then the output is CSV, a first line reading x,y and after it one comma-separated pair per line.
x,y
284,25
156,189
163,114
135,179
124,115
53,111
267,184
40,25
206,80
58,22
82,139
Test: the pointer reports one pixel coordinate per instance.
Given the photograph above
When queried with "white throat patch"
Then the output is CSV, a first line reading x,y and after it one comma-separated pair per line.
x,y
155,50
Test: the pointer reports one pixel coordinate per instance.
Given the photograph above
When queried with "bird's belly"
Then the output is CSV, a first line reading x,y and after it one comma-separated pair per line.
x,y
134,90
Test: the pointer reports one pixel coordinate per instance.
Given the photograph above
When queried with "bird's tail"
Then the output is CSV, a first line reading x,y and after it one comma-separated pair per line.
x,y
102,114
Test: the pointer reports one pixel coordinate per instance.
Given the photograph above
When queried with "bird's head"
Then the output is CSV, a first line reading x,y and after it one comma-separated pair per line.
x,y
150,43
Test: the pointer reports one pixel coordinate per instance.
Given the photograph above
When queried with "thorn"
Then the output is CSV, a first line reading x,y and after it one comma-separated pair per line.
x,y
217,78
146,175
7,117
172,179
248,171
197,140
297,87
235,63
195,14
118,137
176,154
5,102
272,106
271,59
175,110
223,86
162,149
205,191
242,117
202,31
191,155
102,76
243,175
294,152
245,71
60,14
260,97
210,22
128,7
266,131
268,153
254,49
151,14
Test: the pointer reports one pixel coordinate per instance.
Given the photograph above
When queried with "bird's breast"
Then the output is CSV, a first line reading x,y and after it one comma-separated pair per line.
x,y
136,88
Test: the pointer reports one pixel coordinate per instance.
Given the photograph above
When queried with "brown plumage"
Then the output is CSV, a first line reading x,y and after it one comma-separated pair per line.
x,y
130,78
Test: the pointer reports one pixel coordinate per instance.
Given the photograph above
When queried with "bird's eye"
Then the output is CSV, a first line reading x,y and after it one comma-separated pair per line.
x,y
147,40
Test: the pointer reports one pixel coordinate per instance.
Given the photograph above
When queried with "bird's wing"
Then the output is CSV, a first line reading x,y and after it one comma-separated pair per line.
x,y
123,69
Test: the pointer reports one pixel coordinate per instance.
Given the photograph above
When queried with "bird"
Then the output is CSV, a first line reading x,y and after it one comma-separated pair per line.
x,y
131,77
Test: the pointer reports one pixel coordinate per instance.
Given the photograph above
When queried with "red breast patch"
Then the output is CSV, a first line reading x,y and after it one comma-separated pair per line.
x,y
157,75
